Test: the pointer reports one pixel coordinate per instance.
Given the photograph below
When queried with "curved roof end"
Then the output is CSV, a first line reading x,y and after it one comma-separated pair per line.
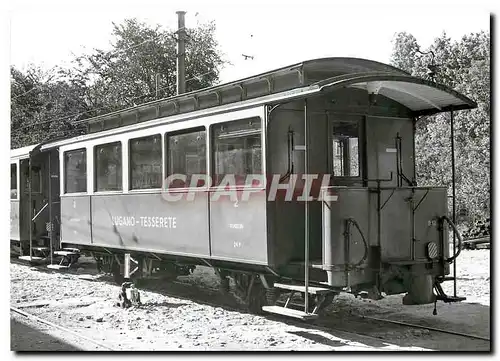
x,y
421,96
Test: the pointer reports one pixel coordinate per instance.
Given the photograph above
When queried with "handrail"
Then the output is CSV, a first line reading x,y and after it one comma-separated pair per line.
x,y
365,256
40,211
457,233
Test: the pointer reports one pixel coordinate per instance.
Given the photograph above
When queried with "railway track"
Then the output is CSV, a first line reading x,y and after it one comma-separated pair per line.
x,y
406,324
61,328
212,297
323,324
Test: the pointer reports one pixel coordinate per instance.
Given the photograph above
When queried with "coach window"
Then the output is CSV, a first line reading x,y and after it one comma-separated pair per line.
x,y
75,171
13,181
186,155
145,162
237,149
108,167
345,149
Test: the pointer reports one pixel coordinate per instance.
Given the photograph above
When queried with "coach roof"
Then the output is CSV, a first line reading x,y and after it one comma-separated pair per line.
x,y
296,81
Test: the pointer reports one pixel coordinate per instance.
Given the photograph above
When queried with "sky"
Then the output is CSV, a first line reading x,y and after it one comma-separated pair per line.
x,y
276,33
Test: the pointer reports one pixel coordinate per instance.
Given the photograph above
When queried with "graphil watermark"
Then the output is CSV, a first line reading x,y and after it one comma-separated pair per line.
x,y
237,188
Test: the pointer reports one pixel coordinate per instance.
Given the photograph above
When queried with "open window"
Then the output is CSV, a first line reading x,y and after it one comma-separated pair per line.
x,y
345,147
237,149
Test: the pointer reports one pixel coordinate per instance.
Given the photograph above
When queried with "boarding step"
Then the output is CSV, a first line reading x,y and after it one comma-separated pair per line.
x,y
68,256
66,253
31,258
45,251
57,266
74,250
446,278
290,312
442,296
450,299
301,288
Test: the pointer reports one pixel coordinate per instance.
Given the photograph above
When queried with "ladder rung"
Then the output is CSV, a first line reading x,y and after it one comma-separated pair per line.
x,y
447,278
289,312
301,288
66,253
57,266
30,258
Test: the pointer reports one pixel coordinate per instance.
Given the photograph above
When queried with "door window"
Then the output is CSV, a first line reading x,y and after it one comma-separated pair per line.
x,y
346,161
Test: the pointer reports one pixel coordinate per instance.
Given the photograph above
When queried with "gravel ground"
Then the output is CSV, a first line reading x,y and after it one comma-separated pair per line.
x,y
28,335
85,302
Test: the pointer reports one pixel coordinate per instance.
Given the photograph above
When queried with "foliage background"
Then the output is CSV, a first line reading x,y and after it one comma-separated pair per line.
x,y
140,66
463,65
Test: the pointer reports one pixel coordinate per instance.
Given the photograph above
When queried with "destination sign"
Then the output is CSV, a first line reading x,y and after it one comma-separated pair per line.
x,y
154,222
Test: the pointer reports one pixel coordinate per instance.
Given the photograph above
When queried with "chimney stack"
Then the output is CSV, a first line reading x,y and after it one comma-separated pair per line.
x,y
181,53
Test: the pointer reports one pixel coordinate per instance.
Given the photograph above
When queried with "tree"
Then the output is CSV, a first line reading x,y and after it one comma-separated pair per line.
x,y
139,67
41,106
464,66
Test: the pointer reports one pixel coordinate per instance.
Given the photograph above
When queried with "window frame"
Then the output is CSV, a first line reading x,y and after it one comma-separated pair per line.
x,y
15,164
65,170
95,165
360,121
212,140
129,167
166,161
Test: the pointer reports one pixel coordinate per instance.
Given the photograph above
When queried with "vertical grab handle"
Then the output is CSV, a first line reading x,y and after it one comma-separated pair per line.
x,y
457,234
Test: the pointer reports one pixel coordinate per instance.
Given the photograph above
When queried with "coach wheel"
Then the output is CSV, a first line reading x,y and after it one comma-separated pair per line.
x,y
73,258
224,285
116,271
272,295
311,301
98,263
257,298
327,301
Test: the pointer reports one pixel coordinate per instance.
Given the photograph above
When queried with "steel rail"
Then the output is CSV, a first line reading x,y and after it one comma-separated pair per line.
x,y
289,321
428,328
51,324
325,328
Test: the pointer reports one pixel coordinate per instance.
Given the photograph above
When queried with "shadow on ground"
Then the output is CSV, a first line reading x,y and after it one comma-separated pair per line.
x,y
24,338
343,319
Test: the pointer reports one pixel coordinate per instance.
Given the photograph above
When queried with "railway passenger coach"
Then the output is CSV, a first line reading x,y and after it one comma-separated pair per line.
x,y
299,180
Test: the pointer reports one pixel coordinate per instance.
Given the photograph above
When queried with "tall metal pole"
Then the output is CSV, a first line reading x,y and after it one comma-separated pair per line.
x,y
50,209
454,199
181,53
30,207
306,213
157,76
